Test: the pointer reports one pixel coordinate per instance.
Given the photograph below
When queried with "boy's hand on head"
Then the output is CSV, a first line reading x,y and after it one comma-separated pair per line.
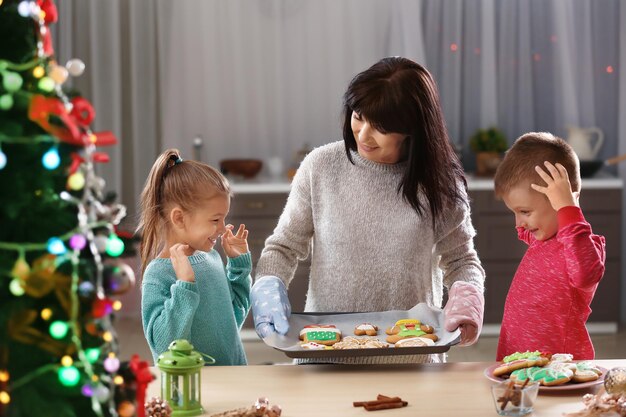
x,y
558,188
235,244
181,264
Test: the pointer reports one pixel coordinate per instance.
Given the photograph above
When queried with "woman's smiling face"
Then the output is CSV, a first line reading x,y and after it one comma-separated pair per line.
x,y
384,148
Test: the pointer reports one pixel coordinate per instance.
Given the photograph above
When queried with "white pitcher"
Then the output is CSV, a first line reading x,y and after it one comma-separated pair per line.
x,y
581,140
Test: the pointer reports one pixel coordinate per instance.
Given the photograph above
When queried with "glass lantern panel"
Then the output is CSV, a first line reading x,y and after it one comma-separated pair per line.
x,y
176,395
193,389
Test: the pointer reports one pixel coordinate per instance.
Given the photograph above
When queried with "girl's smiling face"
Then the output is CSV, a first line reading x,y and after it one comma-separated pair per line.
x,y
384,148
532,211
204,225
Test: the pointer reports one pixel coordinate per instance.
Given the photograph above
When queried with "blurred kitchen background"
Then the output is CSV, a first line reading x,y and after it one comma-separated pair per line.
x,y
263,80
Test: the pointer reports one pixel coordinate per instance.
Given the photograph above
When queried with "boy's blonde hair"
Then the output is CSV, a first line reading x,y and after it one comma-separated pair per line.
x,y
173,182
530,150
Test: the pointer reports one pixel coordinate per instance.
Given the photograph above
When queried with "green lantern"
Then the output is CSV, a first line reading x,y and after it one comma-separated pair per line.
x,y
180,378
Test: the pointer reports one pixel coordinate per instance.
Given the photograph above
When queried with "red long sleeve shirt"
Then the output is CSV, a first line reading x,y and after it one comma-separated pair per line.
x,y
549,299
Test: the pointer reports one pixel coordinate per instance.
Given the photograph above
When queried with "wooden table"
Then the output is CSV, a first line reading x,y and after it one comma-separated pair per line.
x,y
447,390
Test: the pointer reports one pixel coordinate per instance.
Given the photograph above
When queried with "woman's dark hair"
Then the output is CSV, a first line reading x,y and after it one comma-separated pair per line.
x,y
397,95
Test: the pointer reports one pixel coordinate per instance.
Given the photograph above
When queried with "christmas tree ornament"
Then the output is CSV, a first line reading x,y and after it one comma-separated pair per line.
x,y
118,277
615,381
126,409
101,243
180,369
46,84
58,74
21,269
111,364
11,81
75,67
6,103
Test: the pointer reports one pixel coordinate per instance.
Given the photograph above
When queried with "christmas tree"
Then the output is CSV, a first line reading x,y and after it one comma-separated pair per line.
x,y
60,271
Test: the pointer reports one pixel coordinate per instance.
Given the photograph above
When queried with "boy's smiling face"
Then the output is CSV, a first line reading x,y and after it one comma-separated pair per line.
x,y
533,211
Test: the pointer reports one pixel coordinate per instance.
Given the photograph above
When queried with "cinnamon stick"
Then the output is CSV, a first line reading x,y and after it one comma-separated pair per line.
x,y
376,402
385,406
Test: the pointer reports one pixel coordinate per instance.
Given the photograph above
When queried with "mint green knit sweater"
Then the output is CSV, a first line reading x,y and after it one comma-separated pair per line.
x,y
208,312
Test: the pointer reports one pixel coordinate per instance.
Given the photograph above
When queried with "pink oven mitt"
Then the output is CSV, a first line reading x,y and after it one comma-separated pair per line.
x,y
464,310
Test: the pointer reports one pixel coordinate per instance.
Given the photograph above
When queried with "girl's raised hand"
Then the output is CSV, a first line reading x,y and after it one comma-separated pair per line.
x,y
235,244
180,262
558,188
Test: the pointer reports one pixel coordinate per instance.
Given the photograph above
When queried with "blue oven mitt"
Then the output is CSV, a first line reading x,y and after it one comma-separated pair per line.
x,y
270,306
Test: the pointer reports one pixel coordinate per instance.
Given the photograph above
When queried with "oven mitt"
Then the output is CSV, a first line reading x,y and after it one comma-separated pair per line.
x,y
270,306
464,310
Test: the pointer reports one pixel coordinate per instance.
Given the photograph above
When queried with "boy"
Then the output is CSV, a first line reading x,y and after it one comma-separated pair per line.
x,y
549,299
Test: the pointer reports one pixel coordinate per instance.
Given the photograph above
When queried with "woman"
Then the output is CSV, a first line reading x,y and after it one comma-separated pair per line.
x,y
384,214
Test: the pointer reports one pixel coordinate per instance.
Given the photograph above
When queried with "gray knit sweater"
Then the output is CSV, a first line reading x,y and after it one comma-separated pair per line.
x,y
370,251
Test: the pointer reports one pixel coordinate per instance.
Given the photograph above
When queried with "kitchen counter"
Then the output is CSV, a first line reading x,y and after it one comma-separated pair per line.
x,y
451,389
473,183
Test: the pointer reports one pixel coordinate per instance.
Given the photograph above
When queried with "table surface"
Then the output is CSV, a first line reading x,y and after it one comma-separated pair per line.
x,y
450,389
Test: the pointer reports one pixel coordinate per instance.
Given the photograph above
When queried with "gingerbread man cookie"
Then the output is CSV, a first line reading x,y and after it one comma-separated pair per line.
x,y
366,329
407,328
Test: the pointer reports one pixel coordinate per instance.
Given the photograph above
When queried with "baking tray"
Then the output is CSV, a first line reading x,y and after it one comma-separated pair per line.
x,y
289,344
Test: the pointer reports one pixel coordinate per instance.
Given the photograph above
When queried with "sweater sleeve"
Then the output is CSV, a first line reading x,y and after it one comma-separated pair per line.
x,y
454,243
239,280
584,252
524,235
167,311
290,242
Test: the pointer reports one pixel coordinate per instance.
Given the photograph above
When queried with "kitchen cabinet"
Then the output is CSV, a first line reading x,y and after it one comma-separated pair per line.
x,y
259,206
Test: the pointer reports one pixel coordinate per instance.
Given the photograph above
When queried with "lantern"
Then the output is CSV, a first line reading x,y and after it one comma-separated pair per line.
x,y
180,378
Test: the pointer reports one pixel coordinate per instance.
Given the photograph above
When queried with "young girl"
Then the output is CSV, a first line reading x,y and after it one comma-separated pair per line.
x,y
187,293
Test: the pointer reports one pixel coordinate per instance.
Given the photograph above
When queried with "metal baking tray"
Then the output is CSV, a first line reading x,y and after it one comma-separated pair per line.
x,y
289,344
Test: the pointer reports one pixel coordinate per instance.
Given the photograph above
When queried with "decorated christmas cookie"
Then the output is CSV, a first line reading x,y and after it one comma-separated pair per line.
x,y
408,328
543,375
414,342
366,329
324,334
520,360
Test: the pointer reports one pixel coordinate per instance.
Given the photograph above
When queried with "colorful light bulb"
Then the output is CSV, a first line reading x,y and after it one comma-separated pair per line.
x,y
69,376
56,246
87,390
115,245
58,329
46,84
3,159
51,159
92,354
111,364
78,242
76,181
16,287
